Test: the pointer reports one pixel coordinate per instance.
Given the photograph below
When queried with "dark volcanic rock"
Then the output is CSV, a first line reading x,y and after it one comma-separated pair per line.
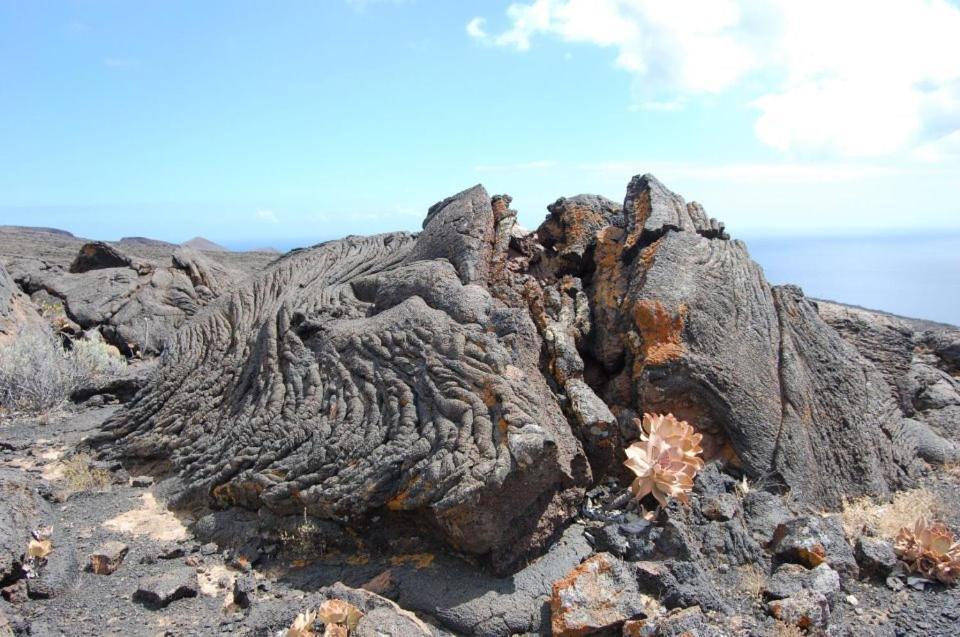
x,y
136,305
461,378
918,360
159,591
686,323
22,511
340,408
813,540
875,557
17,313
599,594
100,256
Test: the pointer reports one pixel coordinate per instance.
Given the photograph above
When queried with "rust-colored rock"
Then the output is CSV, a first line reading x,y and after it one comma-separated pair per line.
x,y
599,594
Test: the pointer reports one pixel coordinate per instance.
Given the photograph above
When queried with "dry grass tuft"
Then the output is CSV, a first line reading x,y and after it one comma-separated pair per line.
x,y
782,629
80,477
887,519
753,580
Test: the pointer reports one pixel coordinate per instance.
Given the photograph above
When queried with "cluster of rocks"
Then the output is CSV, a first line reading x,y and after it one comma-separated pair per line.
x,y
464,394
480,379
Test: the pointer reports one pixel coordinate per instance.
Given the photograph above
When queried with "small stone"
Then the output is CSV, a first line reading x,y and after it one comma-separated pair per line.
x,y
807,610
242,588
108,558
813,540
721,508
852,600
174,552
599,594
792,579
875,557
16,593
160,591
193,560
142,482
209,548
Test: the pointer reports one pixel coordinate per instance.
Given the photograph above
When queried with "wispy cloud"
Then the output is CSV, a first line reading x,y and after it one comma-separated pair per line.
x,y
848,78
268,216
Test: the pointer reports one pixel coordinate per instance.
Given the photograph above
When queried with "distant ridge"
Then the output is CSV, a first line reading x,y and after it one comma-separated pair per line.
x,y
266,250
145,241
57,231
199,243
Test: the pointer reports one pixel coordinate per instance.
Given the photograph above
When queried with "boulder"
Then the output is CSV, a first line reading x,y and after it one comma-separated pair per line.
x,y
330,387
18,316
107,558
685,322
599,594
807,610
136,305
814,540
792,579
875,556
159,591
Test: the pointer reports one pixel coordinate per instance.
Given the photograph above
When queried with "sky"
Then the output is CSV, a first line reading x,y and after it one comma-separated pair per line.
x,y
288,122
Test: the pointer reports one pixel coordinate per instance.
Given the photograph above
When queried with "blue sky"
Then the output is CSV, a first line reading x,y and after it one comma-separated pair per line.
x,y
278,123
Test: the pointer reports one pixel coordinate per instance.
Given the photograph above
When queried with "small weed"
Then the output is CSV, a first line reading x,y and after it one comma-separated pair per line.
x,y
80,477
782,629
753,580
888,518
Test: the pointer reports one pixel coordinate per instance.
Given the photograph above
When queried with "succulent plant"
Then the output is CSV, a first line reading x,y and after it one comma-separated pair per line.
x,y
931,550
665,459
302,625
339,612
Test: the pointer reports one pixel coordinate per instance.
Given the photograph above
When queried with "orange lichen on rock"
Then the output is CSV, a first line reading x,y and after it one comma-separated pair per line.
x,y
661,332
610,282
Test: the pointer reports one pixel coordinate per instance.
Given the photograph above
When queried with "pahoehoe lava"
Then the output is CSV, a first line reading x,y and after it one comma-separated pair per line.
x,y
478,378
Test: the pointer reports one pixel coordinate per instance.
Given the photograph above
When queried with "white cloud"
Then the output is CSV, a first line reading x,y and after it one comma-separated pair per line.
x,y
475,29
851,78
268,216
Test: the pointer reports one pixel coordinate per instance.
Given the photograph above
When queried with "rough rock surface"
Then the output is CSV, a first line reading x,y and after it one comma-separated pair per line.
x,y
919,362
597,595
134,303
462,377
17,314
378,380
22,511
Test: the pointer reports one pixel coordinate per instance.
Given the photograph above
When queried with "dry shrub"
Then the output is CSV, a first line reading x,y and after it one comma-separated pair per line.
x,y
80,477
783,629
37,375
753,580
886,519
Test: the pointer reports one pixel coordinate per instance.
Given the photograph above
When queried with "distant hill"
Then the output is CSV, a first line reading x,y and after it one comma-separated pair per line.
x,y
199,243
266,250
145,241
56,231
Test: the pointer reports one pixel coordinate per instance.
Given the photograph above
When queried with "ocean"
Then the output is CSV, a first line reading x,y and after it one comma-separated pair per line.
x,y
914,275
